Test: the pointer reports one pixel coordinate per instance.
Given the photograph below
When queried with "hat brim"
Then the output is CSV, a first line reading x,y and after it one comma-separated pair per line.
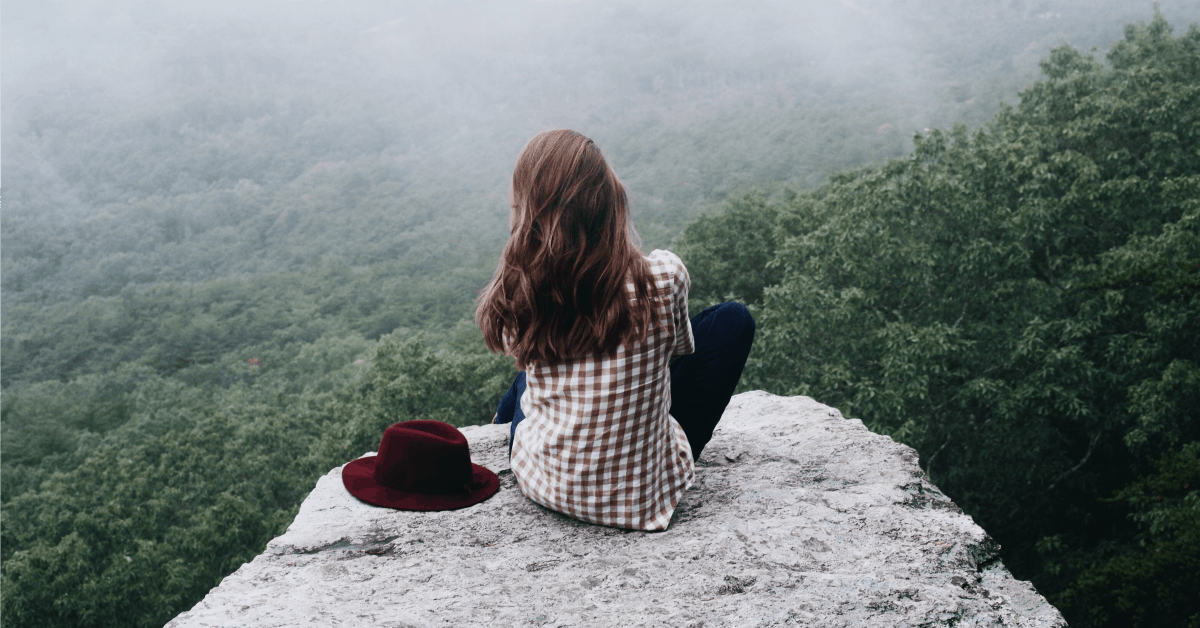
x,y
358,476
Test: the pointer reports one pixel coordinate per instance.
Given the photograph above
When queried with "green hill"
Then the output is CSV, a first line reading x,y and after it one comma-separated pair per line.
x,y
227,267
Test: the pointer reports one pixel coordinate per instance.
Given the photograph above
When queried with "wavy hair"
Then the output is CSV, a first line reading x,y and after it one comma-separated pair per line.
x,y
560,289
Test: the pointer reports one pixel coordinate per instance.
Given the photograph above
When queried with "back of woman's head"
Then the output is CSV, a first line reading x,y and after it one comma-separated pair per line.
x,y
560,288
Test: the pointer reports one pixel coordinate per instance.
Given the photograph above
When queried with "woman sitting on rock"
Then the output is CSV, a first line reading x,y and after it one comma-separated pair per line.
x,y
619,391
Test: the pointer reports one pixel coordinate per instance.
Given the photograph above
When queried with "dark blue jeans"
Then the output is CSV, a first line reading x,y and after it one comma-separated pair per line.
x,y
701,382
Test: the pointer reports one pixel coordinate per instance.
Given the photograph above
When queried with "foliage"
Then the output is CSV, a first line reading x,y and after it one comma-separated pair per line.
x,y
135,526
1020,303
407,380
728,252
170,327
1154,583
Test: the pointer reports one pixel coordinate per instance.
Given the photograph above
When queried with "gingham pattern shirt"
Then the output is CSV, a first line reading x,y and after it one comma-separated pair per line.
x,y
598,442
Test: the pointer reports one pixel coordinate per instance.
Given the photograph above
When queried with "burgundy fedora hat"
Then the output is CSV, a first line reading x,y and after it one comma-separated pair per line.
x,y
421,465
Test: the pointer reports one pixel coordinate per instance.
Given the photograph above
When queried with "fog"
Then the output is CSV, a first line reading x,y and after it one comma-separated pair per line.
x,y
694,102
465,79
456,80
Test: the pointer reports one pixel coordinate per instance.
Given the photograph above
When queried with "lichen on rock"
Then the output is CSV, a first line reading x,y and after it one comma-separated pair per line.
x,y
798,517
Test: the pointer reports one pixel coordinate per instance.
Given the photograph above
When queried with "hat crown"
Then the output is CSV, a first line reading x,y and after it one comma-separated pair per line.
x,y
424,457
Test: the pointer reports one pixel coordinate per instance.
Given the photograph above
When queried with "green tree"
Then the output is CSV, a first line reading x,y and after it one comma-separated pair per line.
x,y
1154,582
726,253
135,523
1021,303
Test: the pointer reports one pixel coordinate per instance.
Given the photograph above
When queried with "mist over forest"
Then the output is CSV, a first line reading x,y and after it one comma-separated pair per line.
x,y
227,221
212,116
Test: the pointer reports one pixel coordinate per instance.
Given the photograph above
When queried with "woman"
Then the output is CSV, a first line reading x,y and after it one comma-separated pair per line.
x,y
619,391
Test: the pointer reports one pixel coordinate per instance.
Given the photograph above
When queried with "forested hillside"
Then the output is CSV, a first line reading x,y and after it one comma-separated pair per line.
x,y
1021,304
240,240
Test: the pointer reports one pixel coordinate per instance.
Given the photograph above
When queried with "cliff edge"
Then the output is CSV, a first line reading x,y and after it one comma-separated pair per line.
x,y
798,517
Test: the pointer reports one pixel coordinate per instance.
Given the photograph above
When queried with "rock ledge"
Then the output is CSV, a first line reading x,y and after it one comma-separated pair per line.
x,y
798,517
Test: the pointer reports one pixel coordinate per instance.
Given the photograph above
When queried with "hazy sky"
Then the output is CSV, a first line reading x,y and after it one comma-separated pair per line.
x,y
335,128
477,78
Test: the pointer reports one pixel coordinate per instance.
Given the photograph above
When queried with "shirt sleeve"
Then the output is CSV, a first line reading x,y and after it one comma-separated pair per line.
x,y
681,282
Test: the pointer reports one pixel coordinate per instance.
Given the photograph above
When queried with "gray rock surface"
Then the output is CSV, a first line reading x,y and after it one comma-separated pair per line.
x,y
798,517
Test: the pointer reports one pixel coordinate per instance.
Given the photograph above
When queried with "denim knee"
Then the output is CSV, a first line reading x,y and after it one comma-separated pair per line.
x,y
734,314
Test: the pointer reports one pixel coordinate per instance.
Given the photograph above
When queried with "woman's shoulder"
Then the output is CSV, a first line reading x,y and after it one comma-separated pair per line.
x,y
664,260
669,270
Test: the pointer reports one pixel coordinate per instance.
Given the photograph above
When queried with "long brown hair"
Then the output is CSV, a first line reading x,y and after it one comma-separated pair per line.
x,y
560,288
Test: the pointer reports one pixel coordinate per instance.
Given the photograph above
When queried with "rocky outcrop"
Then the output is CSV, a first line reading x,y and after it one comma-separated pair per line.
x,y
798,517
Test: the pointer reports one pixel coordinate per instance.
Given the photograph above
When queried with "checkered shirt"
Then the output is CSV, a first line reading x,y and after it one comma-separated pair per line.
x,y
597,442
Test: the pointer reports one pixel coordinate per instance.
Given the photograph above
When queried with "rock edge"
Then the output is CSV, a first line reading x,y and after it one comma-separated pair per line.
x,y
798,517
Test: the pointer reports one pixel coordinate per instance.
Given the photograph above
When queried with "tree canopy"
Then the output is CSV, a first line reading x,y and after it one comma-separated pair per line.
x,y
1020,303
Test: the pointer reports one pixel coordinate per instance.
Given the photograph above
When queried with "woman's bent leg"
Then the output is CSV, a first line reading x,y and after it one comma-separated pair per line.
x,y
703,382
509,410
